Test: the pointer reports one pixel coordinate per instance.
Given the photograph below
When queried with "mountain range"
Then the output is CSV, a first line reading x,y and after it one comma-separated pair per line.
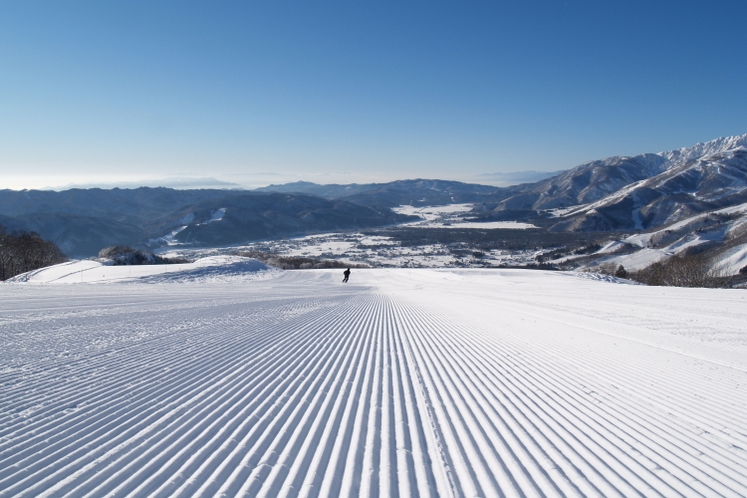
x,y
633,193
621,193
418,192
83,221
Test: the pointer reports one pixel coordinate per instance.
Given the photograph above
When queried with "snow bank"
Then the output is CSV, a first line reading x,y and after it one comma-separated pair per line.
x,y
213,268
217,269
600,277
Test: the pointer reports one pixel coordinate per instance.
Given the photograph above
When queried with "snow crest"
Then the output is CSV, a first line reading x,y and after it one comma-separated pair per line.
x,y
209,269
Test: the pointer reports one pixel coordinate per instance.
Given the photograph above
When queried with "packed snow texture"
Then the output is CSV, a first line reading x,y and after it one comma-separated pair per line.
x,y
213,268
399,383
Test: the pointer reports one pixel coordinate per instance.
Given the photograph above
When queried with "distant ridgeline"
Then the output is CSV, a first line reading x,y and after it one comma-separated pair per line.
x,y
83,221
616,194
632,193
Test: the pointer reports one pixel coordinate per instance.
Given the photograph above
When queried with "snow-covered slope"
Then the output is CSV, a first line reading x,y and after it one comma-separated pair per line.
x,y
204,269
693,180
640,192
719,236
400,383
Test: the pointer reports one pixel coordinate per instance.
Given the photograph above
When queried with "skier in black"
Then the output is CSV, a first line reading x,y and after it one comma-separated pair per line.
x,y
347,275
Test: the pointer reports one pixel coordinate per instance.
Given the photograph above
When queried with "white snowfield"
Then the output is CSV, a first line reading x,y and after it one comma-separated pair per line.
x,y
210,269
399,383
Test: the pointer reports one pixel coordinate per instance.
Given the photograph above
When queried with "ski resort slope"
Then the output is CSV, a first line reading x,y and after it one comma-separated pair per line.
x,y
399,383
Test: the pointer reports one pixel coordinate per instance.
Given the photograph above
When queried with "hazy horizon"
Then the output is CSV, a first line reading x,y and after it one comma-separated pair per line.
x,y
346,93
254,181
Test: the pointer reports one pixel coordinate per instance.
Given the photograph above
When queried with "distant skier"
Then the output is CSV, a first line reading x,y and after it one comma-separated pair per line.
x,y
347,275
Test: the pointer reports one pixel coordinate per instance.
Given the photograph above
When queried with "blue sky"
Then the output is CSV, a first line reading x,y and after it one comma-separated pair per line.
x,y
260,92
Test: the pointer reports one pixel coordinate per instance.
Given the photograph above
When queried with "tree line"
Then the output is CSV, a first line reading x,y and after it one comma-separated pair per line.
x,y
295,262
694,270
25,251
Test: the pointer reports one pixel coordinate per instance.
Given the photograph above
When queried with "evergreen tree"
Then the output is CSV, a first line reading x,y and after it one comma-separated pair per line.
x,y
621,272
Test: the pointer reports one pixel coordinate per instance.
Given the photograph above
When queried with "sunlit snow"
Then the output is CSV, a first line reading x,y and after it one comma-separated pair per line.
x,y
83,271
452,216
399,383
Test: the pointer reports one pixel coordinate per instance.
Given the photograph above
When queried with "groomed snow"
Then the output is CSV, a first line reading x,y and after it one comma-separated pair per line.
x,y
204,269
400,383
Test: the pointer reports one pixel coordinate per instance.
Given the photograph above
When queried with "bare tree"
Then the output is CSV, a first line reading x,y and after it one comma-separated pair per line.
x,y
681,271
5,254
25,251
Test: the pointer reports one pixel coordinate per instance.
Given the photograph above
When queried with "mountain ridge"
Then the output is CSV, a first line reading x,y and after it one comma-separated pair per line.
x,y
83,221
641,192
624,192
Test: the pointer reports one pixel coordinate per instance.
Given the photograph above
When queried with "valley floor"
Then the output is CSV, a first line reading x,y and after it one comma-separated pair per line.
x,y
399,383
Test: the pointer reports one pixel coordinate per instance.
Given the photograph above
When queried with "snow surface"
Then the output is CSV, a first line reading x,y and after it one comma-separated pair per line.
x,y
691,233
433,212
170,238
487,225
400,383
637,260
209,268
215,216
733,261
452,216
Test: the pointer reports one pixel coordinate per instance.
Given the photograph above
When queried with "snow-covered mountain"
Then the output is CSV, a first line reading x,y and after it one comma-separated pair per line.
x,y
83,221
719,236
415,192
639,192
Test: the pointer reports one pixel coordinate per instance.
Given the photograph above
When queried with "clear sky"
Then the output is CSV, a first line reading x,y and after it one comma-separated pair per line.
x,y
273,91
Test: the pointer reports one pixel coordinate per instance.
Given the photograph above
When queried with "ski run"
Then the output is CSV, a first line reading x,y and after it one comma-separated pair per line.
x,y
399,383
